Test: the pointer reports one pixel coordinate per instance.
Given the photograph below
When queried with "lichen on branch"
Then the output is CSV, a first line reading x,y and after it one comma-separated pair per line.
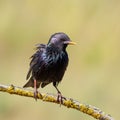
x,y
68,102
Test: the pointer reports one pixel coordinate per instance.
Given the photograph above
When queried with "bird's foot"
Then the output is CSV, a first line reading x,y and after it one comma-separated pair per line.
x,y
60,98
35,94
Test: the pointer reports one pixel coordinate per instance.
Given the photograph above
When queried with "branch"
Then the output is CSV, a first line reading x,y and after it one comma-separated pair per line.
x,y
68,102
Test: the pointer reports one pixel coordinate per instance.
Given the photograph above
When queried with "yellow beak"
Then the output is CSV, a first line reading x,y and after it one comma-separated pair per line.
x,y
70,43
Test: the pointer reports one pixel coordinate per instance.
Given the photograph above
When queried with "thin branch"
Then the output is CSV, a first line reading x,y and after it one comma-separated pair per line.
x,y
68,102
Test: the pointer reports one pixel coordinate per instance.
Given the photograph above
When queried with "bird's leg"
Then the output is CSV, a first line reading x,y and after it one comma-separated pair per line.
x,y
59,97
35,89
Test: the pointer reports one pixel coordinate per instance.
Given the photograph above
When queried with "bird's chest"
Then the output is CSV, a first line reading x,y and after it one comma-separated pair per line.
x,y
55,60
54,66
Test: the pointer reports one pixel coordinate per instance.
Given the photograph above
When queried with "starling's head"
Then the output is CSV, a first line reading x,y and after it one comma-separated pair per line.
x,y
60,40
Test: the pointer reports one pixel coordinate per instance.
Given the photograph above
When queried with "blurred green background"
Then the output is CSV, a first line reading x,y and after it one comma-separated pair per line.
x,y
93,75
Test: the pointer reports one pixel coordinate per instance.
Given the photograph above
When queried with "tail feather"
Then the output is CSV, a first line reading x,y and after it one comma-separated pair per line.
x,y
30,83
28,75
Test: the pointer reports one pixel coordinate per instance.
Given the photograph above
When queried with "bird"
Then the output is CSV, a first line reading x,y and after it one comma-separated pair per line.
x,y
49,63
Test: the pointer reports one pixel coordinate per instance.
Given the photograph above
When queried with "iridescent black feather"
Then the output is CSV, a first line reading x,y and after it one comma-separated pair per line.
x,y
49,63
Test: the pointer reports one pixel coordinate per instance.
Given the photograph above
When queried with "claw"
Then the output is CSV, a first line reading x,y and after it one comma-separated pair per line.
x,y
36,94
60,98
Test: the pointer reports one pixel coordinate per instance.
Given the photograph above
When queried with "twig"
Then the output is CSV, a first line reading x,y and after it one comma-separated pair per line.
x,y
68,102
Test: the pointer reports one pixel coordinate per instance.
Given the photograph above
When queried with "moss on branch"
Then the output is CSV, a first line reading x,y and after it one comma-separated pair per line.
x,y
68,102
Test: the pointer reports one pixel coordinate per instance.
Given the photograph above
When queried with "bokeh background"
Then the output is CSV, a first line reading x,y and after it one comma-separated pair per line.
x,y
93,75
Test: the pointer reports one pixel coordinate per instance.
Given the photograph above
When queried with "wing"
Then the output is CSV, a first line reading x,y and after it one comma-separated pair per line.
x,y
35,57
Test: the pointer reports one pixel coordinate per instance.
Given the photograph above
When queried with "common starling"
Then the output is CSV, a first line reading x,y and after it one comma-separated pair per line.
x,y
49,63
